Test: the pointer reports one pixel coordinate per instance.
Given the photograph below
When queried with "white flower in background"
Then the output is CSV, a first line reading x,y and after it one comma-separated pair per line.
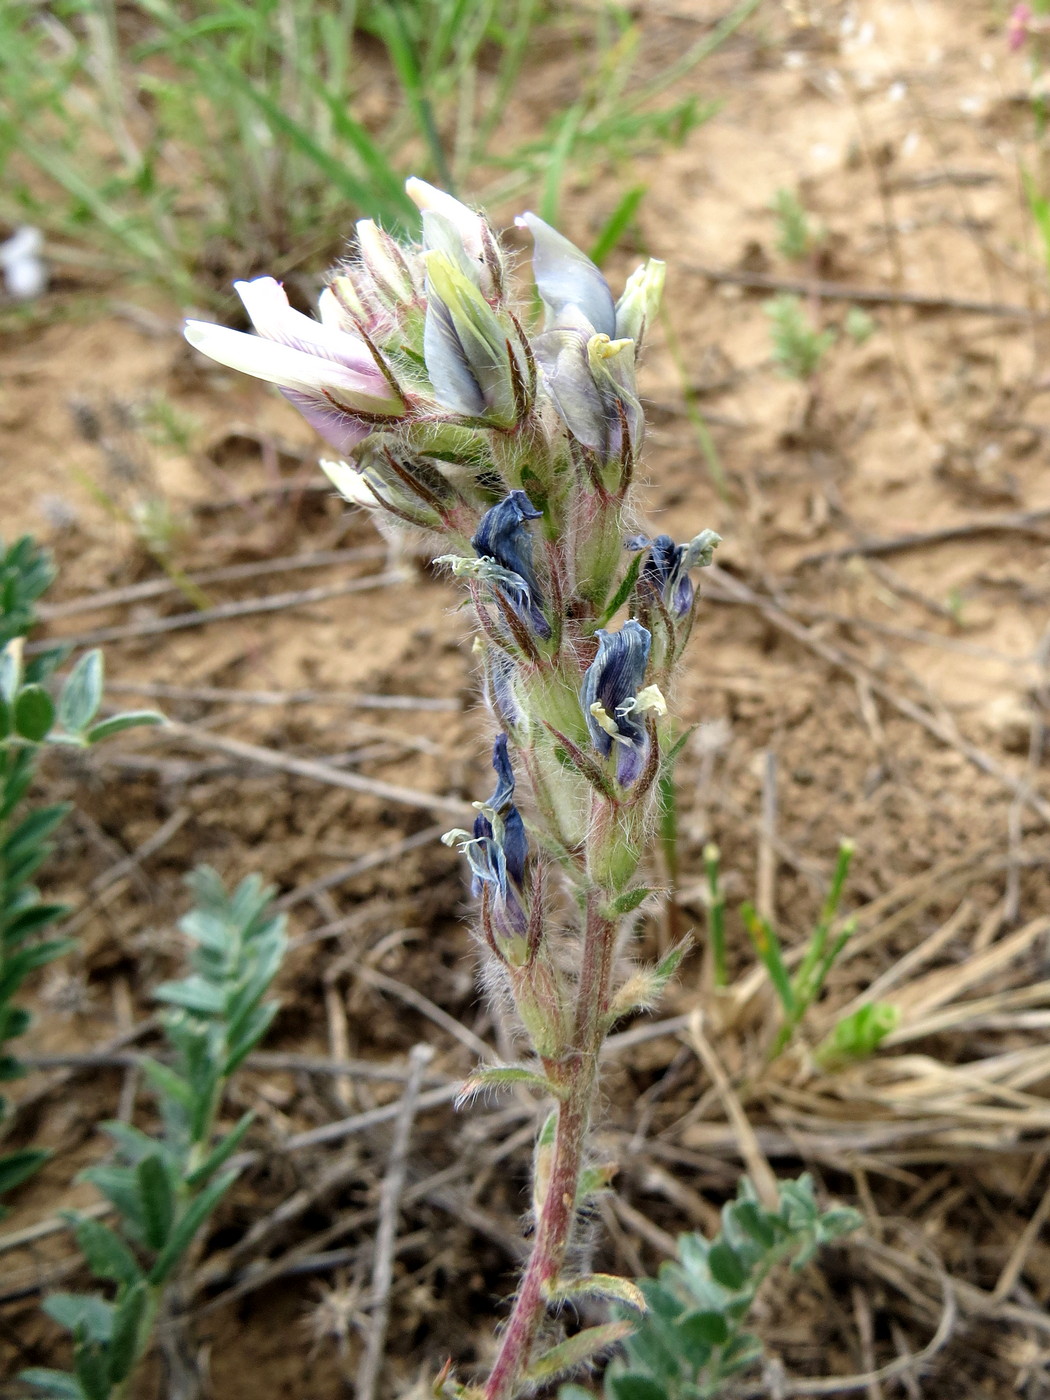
x,y
25,274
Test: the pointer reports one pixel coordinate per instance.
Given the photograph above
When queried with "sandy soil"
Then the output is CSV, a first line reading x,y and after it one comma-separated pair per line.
x,y
897,693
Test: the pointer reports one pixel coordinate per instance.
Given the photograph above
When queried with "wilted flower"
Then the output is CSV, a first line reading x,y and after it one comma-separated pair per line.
x,y
614,697
497,851
330,375
503,536
666,570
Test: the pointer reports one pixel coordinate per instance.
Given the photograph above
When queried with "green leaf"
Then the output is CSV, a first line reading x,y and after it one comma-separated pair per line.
x,y
17,1167
55,1383
158,1200
167,1083
616,224
622,1290
106,1253
501,1076
627,902
726,1266
222,1153
709,1328
576,1351
33,831
34,713
124,1345
82,693
118,1185
29,920
194,1217
194,994
633,1386
92,1368
86,1313
134,719
623,592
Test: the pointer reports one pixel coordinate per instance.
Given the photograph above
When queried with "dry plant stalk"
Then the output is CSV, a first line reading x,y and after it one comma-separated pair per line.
x,y
515,450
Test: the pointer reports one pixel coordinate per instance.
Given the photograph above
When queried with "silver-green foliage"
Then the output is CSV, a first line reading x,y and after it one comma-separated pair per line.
x,y
164,1187
693,1336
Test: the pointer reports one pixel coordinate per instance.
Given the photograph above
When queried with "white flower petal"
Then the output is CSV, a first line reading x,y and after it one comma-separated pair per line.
x,y
266,303
468,224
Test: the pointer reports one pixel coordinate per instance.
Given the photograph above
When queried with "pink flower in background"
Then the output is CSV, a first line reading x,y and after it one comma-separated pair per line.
x,y
1018,26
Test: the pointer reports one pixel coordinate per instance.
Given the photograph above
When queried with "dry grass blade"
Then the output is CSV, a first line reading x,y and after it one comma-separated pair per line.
x,y
758,1168
223,695
386,1235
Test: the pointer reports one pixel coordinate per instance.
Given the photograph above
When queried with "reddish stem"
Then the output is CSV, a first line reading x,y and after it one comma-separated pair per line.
x,y
579,1071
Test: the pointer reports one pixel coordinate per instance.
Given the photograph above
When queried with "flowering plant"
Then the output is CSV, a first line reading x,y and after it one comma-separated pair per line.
x,y
516,449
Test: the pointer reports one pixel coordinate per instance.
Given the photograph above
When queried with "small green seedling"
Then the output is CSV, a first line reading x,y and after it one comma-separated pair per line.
x,y
164,1187
798,234
797,993
29,721
693,1339
798,346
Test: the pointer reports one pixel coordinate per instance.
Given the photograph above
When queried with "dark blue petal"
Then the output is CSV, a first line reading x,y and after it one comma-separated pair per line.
x,y
503,535
630,761
502,797
616,675
666,572
515,846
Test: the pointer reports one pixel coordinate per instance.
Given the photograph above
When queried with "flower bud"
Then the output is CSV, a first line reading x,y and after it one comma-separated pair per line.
x,y
591,380
567,280
467,348
637,307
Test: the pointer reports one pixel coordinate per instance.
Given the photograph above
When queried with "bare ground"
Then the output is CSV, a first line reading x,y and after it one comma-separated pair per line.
x,y
847,680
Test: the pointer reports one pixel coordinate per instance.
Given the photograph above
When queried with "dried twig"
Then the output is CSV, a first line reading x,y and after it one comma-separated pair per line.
x,y
864,296
382,856
245,607
107,885
223,695
232,573
386,1235
1025,522
758,1167
320,772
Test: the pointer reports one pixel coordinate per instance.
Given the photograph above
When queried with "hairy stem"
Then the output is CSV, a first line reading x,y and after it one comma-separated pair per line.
x,y
579,1072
